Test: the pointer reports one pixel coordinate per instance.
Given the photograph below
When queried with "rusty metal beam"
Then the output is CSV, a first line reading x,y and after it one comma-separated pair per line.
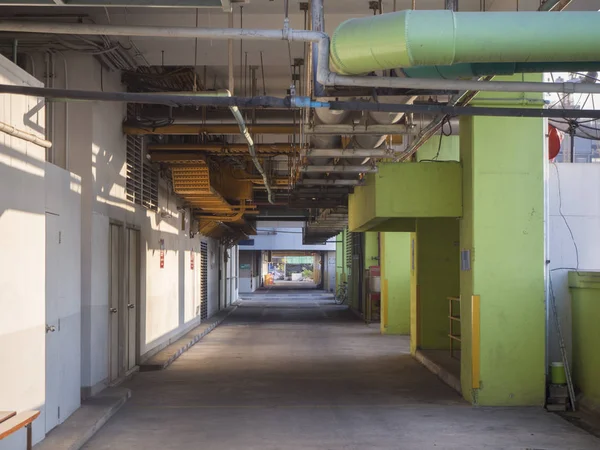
x,y
195,129
281,147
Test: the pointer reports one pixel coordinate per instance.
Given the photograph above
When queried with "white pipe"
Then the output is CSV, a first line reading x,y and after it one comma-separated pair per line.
x,y
9,129
324,76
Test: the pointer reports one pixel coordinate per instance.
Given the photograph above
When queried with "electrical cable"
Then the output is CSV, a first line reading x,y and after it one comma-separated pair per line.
x,y
564,218
446,119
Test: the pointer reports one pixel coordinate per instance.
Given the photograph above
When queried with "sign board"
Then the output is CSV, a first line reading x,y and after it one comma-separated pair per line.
x,y
162,253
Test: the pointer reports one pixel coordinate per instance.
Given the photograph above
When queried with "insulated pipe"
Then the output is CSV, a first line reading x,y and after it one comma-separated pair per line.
x,y
424,38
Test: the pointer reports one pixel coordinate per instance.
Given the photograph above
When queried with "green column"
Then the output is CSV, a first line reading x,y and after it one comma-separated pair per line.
x,y
437,278
395,283
371,249
502,254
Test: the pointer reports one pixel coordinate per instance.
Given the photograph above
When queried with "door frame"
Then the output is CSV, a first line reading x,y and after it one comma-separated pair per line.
x,y
138,281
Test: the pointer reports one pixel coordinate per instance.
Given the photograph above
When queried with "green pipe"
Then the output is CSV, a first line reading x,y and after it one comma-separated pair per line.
x,y
457,71
442,38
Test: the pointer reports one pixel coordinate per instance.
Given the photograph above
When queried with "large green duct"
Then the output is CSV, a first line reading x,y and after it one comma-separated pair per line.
x,y
443,38
476,70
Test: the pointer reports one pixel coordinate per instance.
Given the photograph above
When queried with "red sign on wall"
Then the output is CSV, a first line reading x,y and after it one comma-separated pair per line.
x,y
162,253
192,259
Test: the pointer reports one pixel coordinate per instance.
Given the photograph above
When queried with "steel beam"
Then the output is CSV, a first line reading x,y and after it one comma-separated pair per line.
x,y
348,153
346,169
195,129
355,129
277,148
324,182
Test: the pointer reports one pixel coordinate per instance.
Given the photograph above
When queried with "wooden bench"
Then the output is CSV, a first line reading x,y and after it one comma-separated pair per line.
x,y
10,422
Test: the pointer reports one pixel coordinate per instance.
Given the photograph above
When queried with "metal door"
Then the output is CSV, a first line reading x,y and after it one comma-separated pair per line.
x,y
53,295
115,345
131,306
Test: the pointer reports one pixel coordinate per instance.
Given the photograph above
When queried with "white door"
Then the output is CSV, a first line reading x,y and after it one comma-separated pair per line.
x,y
53,295
132,297
115,348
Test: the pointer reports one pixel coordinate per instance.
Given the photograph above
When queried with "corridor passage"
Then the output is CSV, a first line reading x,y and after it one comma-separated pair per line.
x,y
292,370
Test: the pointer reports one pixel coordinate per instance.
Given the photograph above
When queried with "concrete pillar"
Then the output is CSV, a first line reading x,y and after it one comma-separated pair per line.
x,y
436,277
502,254
395,283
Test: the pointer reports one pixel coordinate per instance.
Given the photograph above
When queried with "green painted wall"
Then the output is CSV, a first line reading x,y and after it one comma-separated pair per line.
x,y
585,310
438,261
406,190
502,227
371,250
449,149
395,283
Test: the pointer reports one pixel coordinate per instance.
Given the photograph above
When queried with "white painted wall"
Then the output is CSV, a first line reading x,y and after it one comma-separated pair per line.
x,y
580,197
283,236
22,265
63,294
169,297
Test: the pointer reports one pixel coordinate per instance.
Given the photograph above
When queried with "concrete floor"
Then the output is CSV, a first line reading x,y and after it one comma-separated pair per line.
x,y
303,373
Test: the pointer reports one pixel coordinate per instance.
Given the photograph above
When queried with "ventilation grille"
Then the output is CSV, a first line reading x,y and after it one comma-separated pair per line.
x,y
203,280
142,178
349,248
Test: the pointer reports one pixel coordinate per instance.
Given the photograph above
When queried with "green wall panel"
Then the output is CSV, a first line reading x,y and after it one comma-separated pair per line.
x,y
395,281
438,261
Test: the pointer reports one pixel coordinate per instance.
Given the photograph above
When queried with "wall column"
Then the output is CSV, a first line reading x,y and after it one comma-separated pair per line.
x,y
395,283
502,254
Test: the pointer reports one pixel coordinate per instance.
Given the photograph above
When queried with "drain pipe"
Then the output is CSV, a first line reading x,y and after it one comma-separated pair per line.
x,y
318,25
585,21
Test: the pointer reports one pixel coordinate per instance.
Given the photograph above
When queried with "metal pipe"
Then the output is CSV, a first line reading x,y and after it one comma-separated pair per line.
x,y
244,130
346,169
324,76
318,26
176,99
231,83
15,50
554,5
24,135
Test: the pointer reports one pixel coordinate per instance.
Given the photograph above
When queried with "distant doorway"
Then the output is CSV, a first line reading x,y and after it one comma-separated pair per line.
x,y
294,270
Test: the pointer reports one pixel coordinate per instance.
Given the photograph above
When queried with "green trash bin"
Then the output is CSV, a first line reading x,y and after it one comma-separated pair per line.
x,y
585,313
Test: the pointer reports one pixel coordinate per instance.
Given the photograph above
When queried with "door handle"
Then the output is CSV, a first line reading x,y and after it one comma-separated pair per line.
x,y
130,305
50,328
113,310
